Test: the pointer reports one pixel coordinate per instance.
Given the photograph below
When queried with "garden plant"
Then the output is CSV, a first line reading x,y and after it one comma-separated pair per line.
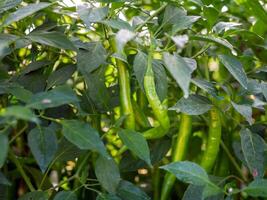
x,y
133,99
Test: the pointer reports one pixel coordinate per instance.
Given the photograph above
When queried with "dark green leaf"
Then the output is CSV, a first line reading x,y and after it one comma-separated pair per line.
x,y
59,96
20,93
43,144
235,68
193,192
107,173
54,39
24,12
193,105
66,195
136,143
4,149
245,111
83,136
206,86
19,112
253,148
257,188
4,180
129,191
8,4
107,197
37,195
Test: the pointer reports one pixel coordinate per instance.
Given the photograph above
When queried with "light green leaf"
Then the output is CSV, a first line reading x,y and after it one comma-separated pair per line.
x,y
107,173
19,112
184,22
56,97
118,24
192,173
245,111
66,195
235,68
253,148
193,105
4,148
54,39
214,39
24,12
60,76
136,143
257,188
180,71
129,191
36,195
43,144
83,136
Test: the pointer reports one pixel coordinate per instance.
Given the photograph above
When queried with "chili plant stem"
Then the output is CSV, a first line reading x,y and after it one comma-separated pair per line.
x,y
179,152
21,171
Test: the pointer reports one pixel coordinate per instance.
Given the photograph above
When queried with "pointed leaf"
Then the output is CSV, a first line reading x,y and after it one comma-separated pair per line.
x,y
4,149
257,188
245,111
8,4
136,143
235,68
253,148
43,144
107,173
66,195
206,86
4,180
83,136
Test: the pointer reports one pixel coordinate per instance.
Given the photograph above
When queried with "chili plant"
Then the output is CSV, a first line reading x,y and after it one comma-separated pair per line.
x,y
133,100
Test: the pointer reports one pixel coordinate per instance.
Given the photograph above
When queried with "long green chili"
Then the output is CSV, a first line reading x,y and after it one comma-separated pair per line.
x,y
178,153
159,108
214,139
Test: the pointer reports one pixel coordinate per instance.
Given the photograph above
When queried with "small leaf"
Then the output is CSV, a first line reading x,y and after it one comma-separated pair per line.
x,y
56,97
54,39
253,148
245,111
4,180
224,26
36,195
107,173
83,136
129,191
193,105
60,76
192,173
43,144
136,143
235,68
19,112
180,71
4,149
24,12
257,188
66,195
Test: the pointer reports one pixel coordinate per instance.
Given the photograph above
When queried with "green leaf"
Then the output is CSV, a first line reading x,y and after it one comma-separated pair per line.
x,y
54,39
192,173
129,191
66,195
183,23
33,66
211,14
8,4
93,53
264,89
257,188
20,93
214,39
245,111
206,86
4,149
83,136
118,24
193,105
235,68
4,180
193,192
56,97
91,15
122,37
253,148
43,144
60,76
36,195
136,143
107,197
19,112
171,15
107,173
180,71
24,12
224,26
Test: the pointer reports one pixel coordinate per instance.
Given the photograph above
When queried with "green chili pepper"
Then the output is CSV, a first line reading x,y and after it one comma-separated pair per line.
x,y
214,138
179,152
159,108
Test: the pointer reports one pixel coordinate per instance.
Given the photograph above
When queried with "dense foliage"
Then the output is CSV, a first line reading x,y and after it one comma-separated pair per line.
x,y
133,100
